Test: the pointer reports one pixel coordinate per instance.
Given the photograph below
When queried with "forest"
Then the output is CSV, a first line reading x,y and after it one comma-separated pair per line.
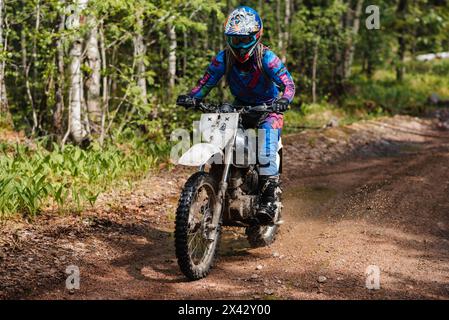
x,y
87,87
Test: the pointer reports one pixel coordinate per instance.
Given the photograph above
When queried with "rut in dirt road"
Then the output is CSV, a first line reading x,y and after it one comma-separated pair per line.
x,y
381,199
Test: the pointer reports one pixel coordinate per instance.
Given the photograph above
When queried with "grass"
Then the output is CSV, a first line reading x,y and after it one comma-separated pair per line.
x,y
380,96
318,115
384,94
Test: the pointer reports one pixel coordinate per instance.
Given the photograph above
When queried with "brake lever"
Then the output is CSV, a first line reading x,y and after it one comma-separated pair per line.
x,y
204,107
249,109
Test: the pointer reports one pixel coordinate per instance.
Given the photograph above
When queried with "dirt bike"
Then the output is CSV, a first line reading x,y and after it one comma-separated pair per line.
x,y
224,192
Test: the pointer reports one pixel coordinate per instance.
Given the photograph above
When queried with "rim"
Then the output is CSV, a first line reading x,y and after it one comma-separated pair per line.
x,y
201,213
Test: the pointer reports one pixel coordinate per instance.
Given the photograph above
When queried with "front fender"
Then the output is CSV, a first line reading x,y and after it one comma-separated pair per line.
x,y
199,154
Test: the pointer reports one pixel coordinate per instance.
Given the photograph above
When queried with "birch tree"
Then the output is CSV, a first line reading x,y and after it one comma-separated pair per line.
x,y
93,81
4,109
140,50
172,57
353,24
286,32
76,126
59,83
279,25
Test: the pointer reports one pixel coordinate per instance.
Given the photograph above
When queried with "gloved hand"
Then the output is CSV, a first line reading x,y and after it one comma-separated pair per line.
x,y
184,100
280,105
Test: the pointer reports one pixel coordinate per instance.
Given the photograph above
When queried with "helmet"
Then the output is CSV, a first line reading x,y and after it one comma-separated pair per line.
x,y
243,30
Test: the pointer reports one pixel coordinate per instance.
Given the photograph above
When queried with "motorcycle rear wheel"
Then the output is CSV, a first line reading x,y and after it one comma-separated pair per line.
x,y
195,250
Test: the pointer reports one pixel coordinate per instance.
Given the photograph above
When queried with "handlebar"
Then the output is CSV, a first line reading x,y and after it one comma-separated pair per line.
x,y
226,107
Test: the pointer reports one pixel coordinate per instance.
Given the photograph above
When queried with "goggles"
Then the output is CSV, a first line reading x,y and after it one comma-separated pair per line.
x,y
241,42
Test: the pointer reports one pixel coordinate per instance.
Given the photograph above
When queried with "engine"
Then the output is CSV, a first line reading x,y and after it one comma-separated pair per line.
x,y
241,200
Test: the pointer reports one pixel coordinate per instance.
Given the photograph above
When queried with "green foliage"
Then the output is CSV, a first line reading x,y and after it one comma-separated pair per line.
x,y
316,26
408,96
318,115
198,27
70,177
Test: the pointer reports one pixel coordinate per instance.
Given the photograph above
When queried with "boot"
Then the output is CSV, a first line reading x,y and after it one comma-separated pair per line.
x,y
267,203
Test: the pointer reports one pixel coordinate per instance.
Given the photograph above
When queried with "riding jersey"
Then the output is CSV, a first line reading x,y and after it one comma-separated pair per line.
x,y
247,82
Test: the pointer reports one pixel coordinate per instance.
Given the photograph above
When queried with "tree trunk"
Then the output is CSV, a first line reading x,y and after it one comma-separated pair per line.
x,y
369,68
278,24
215,32
77,127
184,53
93,81
260,7
352,22
140,51
26,71
314,67
229,6
339,61
350,49
400,69
59,83
286,33
105,102
4,108
172,58
36,32
401,10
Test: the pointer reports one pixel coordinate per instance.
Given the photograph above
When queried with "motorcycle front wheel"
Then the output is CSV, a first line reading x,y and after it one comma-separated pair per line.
x,y
195,241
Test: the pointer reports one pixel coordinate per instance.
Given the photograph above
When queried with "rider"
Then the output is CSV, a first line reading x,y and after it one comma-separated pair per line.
x,y
255,76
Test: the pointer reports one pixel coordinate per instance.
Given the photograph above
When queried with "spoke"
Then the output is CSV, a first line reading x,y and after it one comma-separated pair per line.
x,y
205,208
200,215
204,246
192,230
200,247
196,245
195,235
192,251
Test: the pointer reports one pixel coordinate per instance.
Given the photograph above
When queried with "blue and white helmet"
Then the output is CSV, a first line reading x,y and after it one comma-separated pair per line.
x,y
243,30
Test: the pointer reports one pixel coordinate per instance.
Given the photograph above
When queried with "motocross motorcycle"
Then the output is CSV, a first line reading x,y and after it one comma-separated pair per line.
x,y
224,192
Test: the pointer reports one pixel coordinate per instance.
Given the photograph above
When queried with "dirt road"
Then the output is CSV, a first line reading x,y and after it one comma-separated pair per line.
x,y
372,194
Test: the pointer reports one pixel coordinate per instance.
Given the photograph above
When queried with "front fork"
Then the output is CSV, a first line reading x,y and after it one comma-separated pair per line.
x,y
222,187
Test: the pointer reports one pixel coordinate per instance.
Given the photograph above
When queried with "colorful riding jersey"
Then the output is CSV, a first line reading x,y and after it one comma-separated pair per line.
x,y
247,82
